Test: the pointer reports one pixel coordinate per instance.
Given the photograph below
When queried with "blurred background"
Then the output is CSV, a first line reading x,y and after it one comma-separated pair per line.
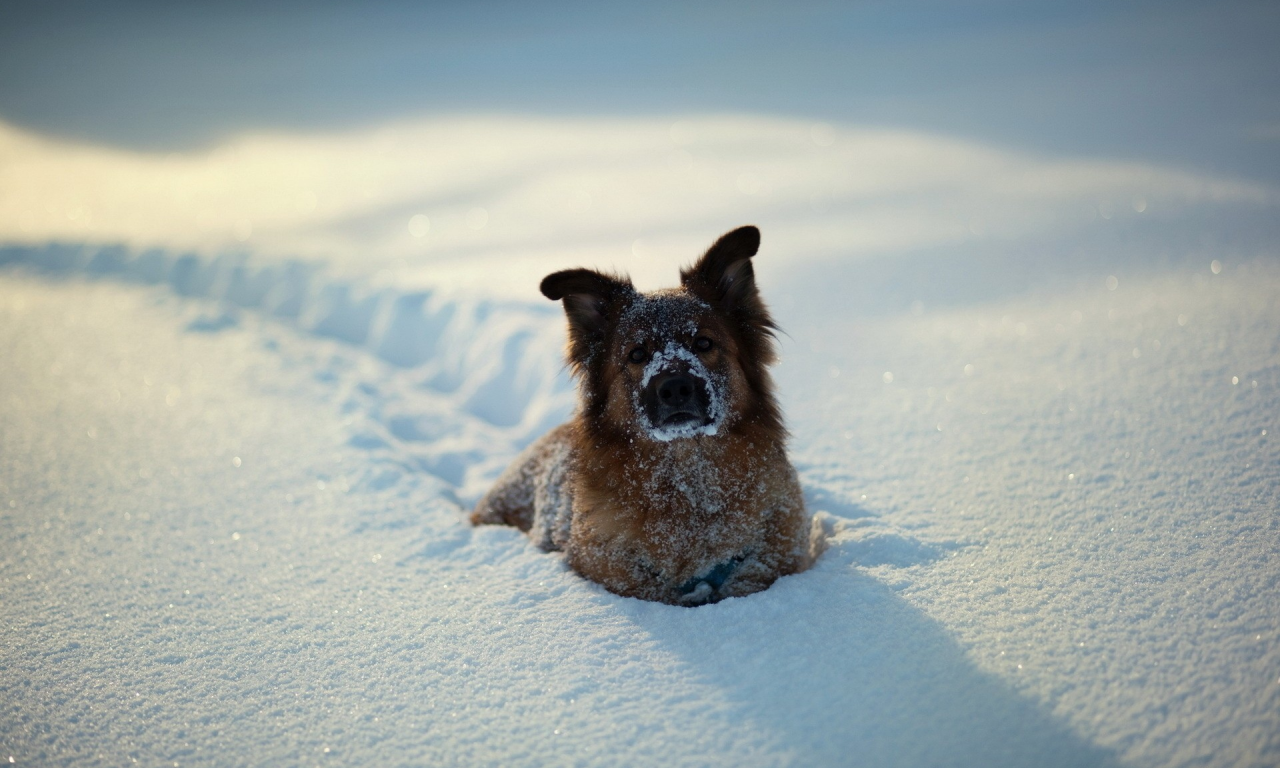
x,y
488,142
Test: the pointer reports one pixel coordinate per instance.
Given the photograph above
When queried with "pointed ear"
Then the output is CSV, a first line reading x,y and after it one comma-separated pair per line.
x,y
589,300
723,276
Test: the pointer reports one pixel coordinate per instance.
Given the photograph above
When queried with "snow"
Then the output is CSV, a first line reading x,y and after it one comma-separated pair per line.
x,y
509,199
234,484
715,400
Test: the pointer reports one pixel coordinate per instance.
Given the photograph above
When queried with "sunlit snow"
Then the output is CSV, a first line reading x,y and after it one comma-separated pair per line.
x,y
250,392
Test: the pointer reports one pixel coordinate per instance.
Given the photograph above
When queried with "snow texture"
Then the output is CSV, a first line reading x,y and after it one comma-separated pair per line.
x,y
233,486
236,539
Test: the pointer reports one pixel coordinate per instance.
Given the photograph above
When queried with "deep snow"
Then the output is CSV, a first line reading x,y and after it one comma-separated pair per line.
x,y
1040,428
232,539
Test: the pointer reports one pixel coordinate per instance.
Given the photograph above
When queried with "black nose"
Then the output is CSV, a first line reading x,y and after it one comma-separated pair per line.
x,y
676,398
675,389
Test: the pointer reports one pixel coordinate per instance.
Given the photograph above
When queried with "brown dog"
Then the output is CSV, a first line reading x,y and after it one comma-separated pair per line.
x,y
671,482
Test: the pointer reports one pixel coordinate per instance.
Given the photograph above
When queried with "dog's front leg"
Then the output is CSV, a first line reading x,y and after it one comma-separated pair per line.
x,y
513,498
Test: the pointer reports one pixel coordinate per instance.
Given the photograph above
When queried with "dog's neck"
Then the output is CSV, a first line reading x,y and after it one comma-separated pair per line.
x,y
694,476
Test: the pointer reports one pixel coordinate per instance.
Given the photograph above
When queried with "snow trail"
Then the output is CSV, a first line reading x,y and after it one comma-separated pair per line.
x,y
233,515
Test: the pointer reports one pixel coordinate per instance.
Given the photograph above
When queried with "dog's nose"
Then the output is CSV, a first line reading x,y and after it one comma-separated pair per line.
x,y
674,389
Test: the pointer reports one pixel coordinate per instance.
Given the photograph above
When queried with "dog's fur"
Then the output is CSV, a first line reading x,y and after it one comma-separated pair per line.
x,y
671,482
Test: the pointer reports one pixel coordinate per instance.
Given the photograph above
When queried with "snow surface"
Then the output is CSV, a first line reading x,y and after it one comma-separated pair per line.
x,y
234,486
495,203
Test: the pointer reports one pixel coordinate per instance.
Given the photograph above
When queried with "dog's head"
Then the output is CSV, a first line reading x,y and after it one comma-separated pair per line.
x,y
677,363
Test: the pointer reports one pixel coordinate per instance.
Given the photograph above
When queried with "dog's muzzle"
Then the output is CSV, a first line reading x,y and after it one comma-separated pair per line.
x,y
676,399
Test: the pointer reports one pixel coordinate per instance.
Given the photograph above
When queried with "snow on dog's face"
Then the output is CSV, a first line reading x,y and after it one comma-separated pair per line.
x,y
675,379
687,362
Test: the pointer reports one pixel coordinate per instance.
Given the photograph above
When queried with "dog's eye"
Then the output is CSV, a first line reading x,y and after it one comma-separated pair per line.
x,y
702,344
638,355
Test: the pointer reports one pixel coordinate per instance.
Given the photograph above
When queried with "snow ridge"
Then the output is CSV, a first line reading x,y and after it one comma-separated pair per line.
x,y
487,371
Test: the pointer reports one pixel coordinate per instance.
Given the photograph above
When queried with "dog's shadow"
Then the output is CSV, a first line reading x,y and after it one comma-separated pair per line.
x,y
835,668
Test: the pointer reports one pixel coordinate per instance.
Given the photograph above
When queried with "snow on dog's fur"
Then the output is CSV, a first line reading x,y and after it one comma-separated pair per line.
x,y
671,482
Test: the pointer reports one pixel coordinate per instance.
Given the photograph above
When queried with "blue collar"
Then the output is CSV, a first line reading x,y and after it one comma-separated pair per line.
x,y
715,578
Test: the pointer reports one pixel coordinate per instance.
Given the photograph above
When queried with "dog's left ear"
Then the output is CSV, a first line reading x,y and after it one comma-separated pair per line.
x,y
723,276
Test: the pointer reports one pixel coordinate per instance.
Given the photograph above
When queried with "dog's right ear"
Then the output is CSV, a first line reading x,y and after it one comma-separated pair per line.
x,y
723,276
588,298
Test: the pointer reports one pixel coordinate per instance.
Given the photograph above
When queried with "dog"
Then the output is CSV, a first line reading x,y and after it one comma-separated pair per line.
x,y
671,482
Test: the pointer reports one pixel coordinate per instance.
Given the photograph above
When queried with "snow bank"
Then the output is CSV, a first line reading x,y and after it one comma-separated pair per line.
x,y
495,202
